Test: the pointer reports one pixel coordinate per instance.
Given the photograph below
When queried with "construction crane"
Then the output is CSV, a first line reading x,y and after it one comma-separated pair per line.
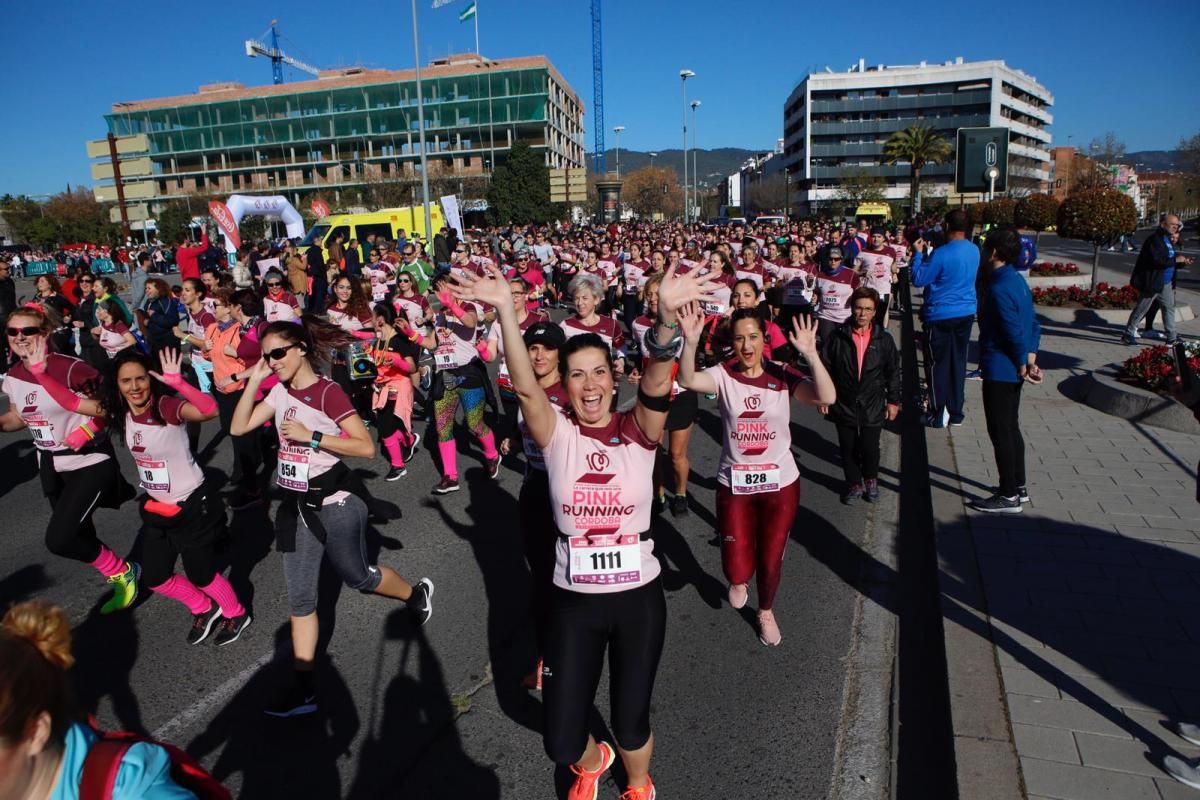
x,y
598,89
254,47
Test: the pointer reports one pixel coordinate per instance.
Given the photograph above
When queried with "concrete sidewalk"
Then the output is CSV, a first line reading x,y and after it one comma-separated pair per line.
x,y
1071,634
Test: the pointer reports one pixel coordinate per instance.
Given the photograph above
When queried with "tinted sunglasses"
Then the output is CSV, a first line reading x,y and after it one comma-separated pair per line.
x,y
278,353
274,285
31,330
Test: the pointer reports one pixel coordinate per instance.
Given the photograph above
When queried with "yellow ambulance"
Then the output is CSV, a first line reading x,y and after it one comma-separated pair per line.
x,y
384,224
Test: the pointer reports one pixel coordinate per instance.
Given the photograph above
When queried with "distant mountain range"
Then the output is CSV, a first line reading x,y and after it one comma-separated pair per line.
x,y
1155,160
713,165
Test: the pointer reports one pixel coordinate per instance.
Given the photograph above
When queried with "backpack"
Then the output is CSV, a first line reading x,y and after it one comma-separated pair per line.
x,y
103,761
1028,252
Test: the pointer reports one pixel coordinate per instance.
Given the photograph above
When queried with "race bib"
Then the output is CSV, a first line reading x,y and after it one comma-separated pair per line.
x,y
714,309
753,478
605,559
43,432
445,359
153,475
293,470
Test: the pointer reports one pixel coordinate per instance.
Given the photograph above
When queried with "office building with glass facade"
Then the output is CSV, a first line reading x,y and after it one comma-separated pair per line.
x,y
838,122
351,127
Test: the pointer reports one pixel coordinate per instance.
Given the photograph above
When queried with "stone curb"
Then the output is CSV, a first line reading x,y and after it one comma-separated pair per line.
x,y
1048,281
1093,316
1102,391
986,763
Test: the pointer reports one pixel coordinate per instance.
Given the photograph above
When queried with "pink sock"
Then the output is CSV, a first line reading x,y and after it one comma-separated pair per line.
x,y
109,563
392,445
222,591
449,458
488,440
180,588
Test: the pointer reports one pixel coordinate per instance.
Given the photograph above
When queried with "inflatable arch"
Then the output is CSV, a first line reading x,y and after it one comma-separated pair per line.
x,y
269,206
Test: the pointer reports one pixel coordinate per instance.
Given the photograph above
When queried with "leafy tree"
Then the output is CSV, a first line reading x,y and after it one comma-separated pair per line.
x,y
1096,216
1190,154
1036,212
856,186
643,192
999,211
520,189
172,222
975,213
252,228
80,218
21,213
770,194
918,146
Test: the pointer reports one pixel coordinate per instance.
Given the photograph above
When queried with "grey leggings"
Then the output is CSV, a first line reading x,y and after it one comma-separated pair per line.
x,y
345,543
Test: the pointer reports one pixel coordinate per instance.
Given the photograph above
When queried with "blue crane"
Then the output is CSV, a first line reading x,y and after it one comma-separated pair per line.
x,y
598,88
255,47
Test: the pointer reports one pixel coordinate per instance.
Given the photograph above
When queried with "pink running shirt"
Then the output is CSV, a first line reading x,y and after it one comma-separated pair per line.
x,y
320,407
166,467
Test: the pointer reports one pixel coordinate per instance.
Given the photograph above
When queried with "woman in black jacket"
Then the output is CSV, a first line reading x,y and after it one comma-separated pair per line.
x,y
865,365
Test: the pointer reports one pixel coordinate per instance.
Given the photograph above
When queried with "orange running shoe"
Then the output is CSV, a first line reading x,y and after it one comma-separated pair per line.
x,y
585,786
640,792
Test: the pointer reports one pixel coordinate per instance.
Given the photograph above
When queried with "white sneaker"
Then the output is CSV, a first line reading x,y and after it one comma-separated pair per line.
x,y
1189,732
1186,772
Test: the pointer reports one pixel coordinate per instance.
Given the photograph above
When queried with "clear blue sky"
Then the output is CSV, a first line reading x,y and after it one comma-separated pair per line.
x,y
1108,70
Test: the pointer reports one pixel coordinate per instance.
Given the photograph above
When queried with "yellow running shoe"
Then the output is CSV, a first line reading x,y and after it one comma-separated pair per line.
x,y
125,588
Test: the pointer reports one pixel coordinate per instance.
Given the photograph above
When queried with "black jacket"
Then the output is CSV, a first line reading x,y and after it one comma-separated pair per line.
x,y
1149,273
8,296
861,402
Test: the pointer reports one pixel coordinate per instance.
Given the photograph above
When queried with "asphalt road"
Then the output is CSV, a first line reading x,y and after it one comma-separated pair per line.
x,y
1116,267
439,712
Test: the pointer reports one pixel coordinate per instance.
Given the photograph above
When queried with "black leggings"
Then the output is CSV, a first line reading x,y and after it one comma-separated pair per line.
x,y
1002,409
359,392
539,535
193,541
860,452
631,625
387,423
247,455
71,532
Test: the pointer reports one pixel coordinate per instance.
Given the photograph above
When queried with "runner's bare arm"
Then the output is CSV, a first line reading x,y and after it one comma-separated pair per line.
x,y
248,416
11,421
691,324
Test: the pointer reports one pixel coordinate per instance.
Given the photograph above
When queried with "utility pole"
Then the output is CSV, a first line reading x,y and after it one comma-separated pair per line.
x,y
116,165
421,131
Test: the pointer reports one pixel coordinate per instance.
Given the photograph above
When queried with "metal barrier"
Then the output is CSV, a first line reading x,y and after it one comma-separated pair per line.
x,y
100,266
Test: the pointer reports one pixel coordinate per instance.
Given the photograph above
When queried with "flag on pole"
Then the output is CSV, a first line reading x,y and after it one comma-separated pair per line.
x,y
467,14
440,3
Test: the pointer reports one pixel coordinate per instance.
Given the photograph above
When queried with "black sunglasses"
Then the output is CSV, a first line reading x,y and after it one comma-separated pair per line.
x,y
278,352
275,285
29,330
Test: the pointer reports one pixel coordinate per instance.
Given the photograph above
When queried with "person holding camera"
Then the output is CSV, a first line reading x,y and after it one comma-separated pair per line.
x,y
1008,343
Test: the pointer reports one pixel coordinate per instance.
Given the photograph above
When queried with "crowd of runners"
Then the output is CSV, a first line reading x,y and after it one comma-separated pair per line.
x,y
531,332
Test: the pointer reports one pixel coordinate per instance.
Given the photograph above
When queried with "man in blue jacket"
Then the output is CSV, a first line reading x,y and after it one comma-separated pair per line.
x,y
1009,336
948,276
1154,278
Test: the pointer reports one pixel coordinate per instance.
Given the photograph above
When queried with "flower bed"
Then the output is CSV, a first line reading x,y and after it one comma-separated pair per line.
x,y
1056,268
1104,296
1154,367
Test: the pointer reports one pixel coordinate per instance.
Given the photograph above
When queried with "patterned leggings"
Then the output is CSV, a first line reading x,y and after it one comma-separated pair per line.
x,y
473,406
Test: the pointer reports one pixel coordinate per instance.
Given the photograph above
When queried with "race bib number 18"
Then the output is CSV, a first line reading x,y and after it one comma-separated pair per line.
x,y
606,559
43,432
153,475
753,478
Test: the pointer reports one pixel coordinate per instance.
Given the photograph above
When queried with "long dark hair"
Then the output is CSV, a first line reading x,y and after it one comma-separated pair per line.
x,y
113,403
318,337
357,304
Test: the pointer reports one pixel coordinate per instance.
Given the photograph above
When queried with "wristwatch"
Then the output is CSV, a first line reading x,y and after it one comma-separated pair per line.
x,y
315,444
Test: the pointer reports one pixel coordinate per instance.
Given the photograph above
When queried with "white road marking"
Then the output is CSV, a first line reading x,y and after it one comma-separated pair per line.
x,y
201,708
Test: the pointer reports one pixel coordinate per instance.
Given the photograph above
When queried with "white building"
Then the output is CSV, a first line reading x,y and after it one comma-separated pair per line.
x,y
838,121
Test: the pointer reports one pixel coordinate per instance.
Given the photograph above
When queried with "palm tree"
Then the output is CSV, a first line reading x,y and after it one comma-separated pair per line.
x,y
918,145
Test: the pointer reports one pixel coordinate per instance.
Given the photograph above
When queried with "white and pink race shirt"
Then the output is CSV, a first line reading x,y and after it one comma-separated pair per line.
x,y
601,497
455,342
166,467
756,447
112,338
49,422
280,309
350,322
634,274
534,459
320,407
876,268
413,308
834,291
606,328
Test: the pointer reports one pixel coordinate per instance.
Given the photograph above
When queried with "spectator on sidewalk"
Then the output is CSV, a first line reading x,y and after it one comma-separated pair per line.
x,y
297,274
187,259
1009,336
865,366
137,281
316,271
1154,278
948,276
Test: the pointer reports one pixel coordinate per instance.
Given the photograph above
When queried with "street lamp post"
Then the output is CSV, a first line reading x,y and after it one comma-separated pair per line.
x,y
695,172
652,157
684,74
618,130
421,127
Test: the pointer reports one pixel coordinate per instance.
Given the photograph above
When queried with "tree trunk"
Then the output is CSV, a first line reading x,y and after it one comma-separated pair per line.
x,y
1095,265
914,191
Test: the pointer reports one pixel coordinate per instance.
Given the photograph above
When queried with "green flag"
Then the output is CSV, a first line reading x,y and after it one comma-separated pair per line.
x,y
467,14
